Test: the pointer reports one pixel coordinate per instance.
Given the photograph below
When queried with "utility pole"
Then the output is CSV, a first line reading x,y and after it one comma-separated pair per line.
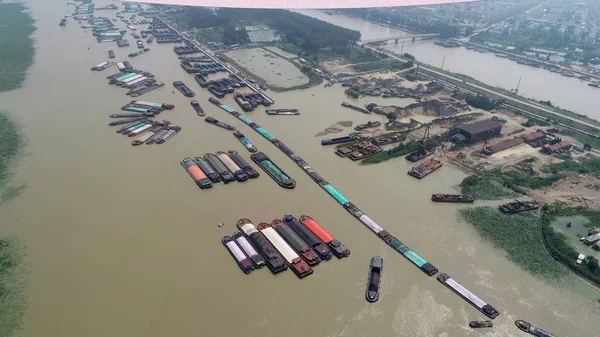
x,y
518,84
417,76
443,60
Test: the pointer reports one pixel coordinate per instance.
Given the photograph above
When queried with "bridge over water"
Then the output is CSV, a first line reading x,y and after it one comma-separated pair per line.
x,y
412,37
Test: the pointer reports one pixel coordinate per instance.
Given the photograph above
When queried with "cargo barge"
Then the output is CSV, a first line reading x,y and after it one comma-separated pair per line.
x,y
148,135
245,141
140,44
111,54
338,140
156,105
213,121
389,239
63,22
102,66
459,198
239,174
297,264
207,169
481,324
150,39
145,90
420,154
125,121
282,112
301,247
367,125
183,89
273,170
139,52
194,171
131,115
336,247
519,206
468,296
214,101
358,151
243,164
272,259
532,329
423,169
237,254
311,239
350,106
158,135
374,279
226,175
242,102
384,140
254,256
198,108
168,135
137,123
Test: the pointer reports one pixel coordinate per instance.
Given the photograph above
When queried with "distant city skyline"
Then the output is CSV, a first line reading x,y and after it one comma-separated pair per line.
x,y
302,4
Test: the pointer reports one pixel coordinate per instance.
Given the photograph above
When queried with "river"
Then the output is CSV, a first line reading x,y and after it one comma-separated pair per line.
x,y
121,242
566,92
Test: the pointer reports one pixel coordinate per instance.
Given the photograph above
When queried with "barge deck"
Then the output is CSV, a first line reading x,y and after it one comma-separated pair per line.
x,y
301,247
273,260
338,249
243,164
298,265
374,279
237,254
265,163
468,296
311,239
254,256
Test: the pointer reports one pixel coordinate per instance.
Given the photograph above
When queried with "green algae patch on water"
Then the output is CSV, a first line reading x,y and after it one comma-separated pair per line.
x,y
16,45
519,235
12,285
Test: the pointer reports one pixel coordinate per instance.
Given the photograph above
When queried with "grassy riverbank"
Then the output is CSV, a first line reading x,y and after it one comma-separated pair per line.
x,y
12,285
16,56
16,47
509,181
518,235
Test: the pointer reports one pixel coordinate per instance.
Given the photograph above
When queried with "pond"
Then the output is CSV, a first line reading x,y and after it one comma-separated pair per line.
x,y
270,67
575,232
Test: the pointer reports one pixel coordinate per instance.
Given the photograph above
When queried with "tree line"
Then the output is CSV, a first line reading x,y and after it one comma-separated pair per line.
x,y
310,34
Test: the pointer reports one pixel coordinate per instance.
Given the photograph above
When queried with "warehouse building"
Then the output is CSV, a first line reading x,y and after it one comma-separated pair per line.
x,y
481,130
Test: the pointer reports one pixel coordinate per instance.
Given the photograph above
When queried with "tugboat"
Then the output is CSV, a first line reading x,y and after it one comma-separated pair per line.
x,y
111,54
198,108
214,101
374,283
460,198
481,324
532,329
519,206
245,141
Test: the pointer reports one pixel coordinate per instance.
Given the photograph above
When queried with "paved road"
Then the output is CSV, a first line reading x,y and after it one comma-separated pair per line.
x,y
507,98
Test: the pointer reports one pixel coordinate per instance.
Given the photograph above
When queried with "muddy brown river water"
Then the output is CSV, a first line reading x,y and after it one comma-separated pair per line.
x,y
121,242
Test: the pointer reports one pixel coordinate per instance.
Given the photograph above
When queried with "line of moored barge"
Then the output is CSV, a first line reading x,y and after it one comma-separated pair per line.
x,y
384,235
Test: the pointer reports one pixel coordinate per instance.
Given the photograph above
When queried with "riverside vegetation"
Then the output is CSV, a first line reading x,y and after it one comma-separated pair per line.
x,y
16,56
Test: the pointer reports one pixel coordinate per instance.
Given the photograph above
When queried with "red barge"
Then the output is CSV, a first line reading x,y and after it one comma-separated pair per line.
x,y
423,169
301,247
337,247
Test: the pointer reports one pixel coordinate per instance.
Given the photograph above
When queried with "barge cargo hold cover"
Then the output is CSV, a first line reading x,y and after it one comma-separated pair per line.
x,y
336,247
319,247
273,260
301,247
237,254
254,256
468,296
293,260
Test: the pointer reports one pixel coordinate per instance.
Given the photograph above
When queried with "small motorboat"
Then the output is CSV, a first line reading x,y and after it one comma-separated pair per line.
x,y
374,282
481,324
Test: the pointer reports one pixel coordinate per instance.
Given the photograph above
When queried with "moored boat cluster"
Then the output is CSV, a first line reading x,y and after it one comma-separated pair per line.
x,y
297,244
221,166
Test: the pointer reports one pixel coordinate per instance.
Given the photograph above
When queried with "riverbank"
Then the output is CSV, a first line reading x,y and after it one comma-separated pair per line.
x,y
16,56
518,235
